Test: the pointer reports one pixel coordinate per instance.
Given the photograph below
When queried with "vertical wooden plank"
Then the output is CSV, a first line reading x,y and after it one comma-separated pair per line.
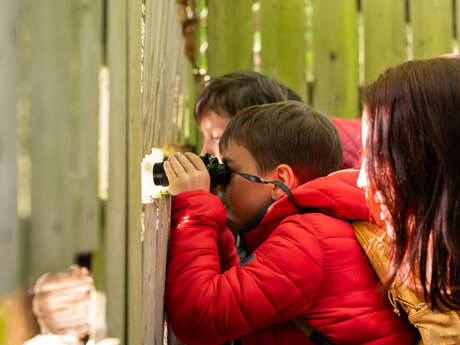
x,y
51,238
190,128
115,230
86,62
282,28
134,205
157,217
457,21
230,36
335,58
160,96
384,36
154,17
432,27
168,118
9,246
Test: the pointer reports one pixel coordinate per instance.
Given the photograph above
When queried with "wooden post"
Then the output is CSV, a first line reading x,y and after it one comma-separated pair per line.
x,y
86,59
432,27
155,15
230,36
335,62
134,203
9,246
384,36
51,239
282,27
157,219
116,214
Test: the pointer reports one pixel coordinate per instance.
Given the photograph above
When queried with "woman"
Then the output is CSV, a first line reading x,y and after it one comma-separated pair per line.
x,y
411,171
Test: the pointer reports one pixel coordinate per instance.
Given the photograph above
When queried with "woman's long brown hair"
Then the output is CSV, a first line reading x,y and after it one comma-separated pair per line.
x,y
413,160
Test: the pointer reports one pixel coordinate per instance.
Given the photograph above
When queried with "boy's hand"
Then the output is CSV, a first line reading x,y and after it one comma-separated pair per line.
x,y
186,172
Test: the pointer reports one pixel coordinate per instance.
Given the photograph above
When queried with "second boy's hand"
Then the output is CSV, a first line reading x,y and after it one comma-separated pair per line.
x,y
186,172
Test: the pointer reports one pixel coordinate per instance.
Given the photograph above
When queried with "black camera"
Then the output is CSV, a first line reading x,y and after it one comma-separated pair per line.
x,y
219,173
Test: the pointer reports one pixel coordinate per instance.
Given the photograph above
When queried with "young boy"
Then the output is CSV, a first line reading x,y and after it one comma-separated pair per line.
x,y
225,95
304,265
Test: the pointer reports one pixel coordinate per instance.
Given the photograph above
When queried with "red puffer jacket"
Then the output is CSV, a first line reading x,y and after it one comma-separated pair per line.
x,y
350,134
306,266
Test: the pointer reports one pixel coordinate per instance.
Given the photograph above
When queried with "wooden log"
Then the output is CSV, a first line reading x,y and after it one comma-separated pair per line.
x,y
335,49
384,36
282,28
432,27
230,36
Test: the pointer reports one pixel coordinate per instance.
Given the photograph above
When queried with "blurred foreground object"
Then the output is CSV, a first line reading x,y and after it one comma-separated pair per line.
x,y
62,302
50,339
67,305
17,319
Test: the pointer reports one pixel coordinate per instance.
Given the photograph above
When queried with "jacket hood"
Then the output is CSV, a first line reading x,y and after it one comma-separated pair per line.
x,y
335,195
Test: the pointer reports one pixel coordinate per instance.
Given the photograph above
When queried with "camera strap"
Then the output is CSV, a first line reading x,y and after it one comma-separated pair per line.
x,y
279,184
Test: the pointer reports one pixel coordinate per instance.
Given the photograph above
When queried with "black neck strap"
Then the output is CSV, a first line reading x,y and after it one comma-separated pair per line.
x,y
279,184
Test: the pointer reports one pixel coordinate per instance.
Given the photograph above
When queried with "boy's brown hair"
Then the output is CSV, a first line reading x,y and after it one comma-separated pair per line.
x,y
287,132
229,93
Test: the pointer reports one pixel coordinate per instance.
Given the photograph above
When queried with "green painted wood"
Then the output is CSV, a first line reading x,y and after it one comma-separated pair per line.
x,y
51,239
190,127
169,87
116,214
153,55
134,205
457,19
335,59
198,27
384,36
86,62
230,36
282,28
432,27
9,245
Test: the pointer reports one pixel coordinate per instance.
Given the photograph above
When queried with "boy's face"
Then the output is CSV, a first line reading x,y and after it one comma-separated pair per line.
x,y
212,125
245,200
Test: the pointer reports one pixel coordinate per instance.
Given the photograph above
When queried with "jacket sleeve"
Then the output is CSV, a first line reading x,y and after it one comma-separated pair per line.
x,y
206,306
227,251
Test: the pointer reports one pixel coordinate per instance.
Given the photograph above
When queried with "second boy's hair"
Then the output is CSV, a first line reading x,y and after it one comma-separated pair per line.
x,y
232,92
287,132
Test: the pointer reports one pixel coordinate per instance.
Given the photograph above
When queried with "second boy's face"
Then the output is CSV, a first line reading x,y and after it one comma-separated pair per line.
x,y
212,126
245,200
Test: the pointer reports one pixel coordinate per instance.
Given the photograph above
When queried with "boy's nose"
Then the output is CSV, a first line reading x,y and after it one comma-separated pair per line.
x,y
210,147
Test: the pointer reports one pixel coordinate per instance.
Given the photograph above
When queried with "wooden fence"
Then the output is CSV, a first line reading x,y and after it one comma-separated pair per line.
x,y
327,49
52,213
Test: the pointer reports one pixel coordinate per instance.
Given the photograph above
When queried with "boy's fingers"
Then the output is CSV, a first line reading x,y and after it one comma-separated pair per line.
x,y
168,170
195,160
185,162
176,166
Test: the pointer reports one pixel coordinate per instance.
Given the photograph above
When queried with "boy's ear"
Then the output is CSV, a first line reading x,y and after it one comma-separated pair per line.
x,y
285,174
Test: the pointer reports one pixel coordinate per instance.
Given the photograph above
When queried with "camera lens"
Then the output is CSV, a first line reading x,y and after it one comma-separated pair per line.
x,y
159,175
